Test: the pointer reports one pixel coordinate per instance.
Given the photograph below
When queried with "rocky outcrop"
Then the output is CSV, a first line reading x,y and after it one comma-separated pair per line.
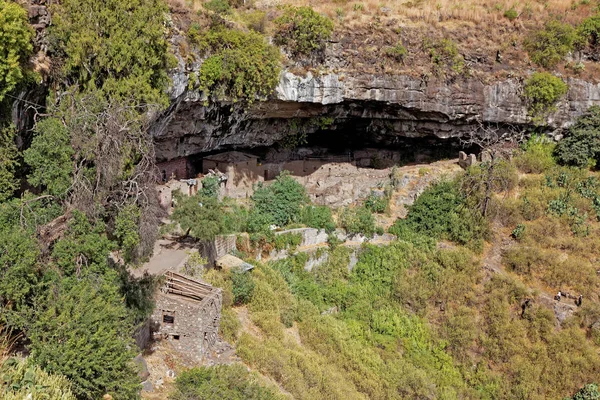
x,y
381,109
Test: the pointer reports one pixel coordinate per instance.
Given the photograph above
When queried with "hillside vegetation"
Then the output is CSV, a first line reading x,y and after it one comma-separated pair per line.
x,y
460,306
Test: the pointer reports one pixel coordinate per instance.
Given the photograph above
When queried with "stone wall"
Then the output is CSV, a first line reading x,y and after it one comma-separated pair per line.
x,y
213,250
178,168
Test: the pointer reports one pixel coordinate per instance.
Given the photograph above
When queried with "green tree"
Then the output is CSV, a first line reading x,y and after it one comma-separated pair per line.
x,y
15,45
548,46
241,65
542,91
118,46
82,330
8,163
51,157
201,217
282,200
302,30
581,143
358,220
18,272
126,230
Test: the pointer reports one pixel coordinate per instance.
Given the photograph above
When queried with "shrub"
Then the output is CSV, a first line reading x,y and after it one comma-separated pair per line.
x,y
241,65
518,232
282,200
582,141
548,46
511,14
397,52
358,220
220,382
589,33
218,6
288,240
15,45
377,203
318,217
20,380
588,392
542,91
242,287
302,30
444,54
118,46
537,156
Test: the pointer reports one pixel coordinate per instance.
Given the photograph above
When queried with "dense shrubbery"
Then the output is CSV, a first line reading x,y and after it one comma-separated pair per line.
x,y
581,144
444,54
15,45
20,380
358,220
542,91
117,46
537,155
301,30
548,46
221,382
241,65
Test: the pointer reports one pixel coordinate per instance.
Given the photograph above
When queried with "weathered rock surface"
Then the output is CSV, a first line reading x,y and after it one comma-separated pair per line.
x,y
383,108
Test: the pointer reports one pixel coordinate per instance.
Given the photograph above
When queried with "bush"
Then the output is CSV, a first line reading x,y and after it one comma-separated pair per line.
x,y
318,217
241,65
548,46
288,240
218,6
397,52
282,200
20,380
542,91
15,45
242,287
589,33
537,156
582,141
511,14
220,382
358,220
302,30
377,203
444,54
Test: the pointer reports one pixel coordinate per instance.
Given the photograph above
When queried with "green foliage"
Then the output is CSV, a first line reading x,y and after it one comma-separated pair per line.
x,y
15,45
511,14
587,392
518,232
8,163
210,187
444,55
232,382
302,30
243,287
318,217
377,203
537,155
241,65
50,157
82,331
288,241
358,220
397,52
18,272
84,249
542,91
218,6
581,143
202,217
118,46
548,46
282,200
20,380
126,230
589,33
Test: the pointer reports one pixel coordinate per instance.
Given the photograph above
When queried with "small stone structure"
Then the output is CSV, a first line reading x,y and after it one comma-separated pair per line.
x,y
229,262
179,168
187,313
465,161
217,248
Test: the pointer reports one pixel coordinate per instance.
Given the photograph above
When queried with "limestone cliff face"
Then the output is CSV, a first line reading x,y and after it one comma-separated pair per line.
x,y
384,108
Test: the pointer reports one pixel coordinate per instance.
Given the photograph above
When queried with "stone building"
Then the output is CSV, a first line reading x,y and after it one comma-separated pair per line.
x,y
187,313
178,168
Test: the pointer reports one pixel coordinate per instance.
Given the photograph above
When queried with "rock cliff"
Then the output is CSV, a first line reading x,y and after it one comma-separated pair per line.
x,y
383,107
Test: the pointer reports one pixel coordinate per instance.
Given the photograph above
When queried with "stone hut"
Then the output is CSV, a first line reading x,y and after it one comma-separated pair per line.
x,y
187,313
178,168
